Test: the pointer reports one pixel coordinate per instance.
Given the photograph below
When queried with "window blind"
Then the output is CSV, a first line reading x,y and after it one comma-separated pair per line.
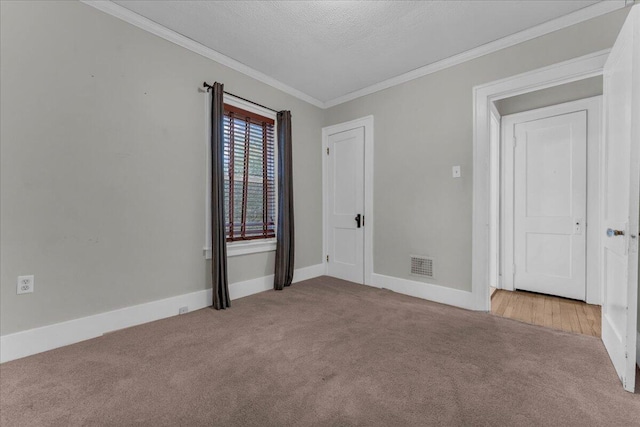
x,y
249,168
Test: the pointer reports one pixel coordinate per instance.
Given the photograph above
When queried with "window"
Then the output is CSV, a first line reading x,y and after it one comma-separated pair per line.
x,y
249,170
252,227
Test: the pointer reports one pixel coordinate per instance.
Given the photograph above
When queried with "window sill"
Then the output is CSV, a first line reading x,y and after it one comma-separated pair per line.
x,y
245,248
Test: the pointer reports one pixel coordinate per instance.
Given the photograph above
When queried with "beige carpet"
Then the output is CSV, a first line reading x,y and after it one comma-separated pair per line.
x,y
324,352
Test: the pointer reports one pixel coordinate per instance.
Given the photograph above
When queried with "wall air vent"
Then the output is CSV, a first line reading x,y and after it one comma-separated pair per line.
x,y
422,266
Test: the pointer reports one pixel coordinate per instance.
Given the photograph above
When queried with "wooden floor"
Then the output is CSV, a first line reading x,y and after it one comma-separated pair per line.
x,y
552,312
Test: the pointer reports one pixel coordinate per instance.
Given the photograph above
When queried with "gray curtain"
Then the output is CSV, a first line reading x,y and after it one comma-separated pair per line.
x,y
218,235
285,231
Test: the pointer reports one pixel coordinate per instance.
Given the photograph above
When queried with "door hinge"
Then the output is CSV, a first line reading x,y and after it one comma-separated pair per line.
x,y
515,142
327,151
327,258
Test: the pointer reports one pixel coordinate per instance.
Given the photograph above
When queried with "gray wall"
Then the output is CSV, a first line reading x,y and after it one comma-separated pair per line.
x,y
423,128
102,150
567,92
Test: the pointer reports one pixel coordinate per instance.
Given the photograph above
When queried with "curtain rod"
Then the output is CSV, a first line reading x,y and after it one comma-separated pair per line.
x,y
208,86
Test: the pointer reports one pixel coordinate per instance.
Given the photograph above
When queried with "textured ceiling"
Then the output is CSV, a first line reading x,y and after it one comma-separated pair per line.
x,y
328,49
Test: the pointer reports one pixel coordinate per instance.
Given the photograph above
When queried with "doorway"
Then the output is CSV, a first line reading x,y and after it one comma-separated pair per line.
x,y
348,200
548,202
621,164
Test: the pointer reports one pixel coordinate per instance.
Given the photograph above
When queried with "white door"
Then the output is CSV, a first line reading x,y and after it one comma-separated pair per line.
x,y
345,167
621,188
550,204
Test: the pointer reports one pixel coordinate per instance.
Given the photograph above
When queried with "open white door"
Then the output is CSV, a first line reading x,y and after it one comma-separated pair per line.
x,y
621,185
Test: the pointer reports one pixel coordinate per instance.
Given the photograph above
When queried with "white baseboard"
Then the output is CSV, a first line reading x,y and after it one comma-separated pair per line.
x,y
307,273
428,291
265,283
37,340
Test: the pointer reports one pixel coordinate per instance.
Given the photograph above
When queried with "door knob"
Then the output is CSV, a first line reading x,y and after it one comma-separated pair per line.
x,y
611,232
358,218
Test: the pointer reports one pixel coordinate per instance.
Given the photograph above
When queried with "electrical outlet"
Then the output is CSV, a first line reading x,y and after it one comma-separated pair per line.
x,y
183,310
25,284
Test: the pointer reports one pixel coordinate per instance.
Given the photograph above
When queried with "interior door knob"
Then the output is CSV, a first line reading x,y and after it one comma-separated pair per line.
x,y
611,232
358,218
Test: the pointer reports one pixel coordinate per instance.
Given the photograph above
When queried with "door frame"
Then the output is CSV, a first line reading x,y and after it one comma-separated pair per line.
x,y
495,213
367,124
593,107
580,68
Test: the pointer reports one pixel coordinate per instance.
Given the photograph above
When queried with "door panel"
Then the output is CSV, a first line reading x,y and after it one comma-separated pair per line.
x,y
346,200
621,185
550,203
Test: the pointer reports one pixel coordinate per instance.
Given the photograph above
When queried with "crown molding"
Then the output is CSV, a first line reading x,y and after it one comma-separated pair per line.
x,y
152,27
576,17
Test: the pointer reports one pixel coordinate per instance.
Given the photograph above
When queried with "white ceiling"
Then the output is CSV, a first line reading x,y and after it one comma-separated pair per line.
x,y
328,49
